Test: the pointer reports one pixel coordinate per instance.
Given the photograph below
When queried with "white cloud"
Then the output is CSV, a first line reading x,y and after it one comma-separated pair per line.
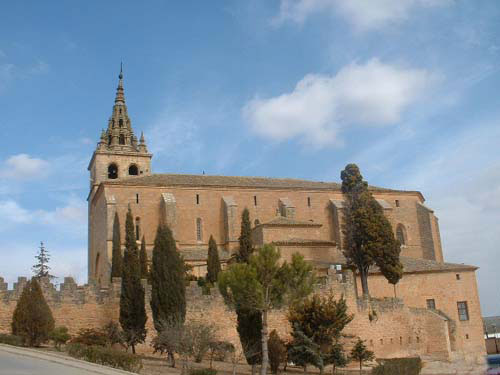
x,y
373,94
24,167
11,212
362,14
74,212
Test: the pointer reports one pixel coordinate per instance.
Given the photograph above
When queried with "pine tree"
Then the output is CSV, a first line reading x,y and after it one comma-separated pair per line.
x,y
361,354
41,268
368,235
322,320
168,288
302,350
32,318
132,310
143,258
213,262
266,284
116,256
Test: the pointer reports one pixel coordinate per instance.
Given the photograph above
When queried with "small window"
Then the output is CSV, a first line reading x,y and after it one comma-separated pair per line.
x,y
308,201
467,336
109,139
122,139
397,202
198,229
463,311
137,228
431,304
255,200
381,341
112,171
256,222
120,111
133,170
457,276
120,122
400,234
197,198
418,339
137,198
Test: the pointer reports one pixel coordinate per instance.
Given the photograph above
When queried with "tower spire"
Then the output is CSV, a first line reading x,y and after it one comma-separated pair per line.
x,y
120,96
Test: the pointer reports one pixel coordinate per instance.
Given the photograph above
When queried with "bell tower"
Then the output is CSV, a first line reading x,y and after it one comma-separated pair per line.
x,y
118,153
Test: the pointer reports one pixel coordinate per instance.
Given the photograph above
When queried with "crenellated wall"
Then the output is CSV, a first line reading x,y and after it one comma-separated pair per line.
x,y
390,328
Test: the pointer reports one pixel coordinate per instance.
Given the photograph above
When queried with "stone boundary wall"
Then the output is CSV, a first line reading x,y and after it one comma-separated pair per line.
x,y
390,328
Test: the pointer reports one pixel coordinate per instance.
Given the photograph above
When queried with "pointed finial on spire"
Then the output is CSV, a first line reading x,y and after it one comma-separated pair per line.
x,y
120,97
142,137
121,70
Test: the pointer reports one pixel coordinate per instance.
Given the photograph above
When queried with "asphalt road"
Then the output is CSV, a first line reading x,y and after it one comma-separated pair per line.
x,y
21,364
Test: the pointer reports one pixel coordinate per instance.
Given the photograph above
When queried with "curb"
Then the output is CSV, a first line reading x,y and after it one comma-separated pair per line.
x,y
93,368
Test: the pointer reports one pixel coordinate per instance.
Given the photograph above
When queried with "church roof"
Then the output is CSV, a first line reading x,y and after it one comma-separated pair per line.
x,y
162,180
281,221
413,265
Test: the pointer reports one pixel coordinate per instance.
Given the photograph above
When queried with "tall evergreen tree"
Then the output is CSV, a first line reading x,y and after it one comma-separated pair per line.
x,y
246,245
143,258
116,256
32,318
41,269
213,262
361,354
249,322
132,310
368,235
168,288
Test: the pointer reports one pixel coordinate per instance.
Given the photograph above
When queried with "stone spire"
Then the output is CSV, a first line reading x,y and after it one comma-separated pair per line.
x,y
120,136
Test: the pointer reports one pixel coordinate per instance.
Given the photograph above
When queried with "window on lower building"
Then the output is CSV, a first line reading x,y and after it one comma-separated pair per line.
x,y
431,304
397,203
308,201
137,198
198,229
197,198
401,234
457,276
463,311
133,170
255,200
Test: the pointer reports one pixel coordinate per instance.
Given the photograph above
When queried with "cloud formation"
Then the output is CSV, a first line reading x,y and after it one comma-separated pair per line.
x,y
362,14
24,167
370,94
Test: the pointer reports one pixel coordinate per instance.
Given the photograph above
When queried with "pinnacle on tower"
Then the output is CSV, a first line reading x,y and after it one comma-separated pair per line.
x,y
120,96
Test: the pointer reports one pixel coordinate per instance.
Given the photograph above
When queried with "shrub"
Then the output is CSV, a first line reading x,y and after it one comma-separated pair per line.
x,y
277,351
219,350
59,336
90,336
11,339
202,371
106,356
114,334
396,366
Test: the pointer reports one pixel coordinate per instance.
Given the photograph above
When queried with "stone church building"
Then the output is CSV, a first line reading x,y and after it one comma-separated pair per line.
x,y
296,215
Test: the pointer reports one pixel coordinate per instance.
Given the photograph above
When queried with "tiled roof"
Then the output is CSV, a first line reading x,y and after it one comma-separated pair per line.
x,y
413,265
280,221
233,181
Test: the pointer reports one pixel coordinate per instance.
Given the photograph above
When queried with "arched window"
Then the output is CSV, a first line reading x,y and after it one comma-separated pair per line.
x,y
137,228
133,170
122,139
401,234
113,171
97,265
120,122
109,139
198,229
256,222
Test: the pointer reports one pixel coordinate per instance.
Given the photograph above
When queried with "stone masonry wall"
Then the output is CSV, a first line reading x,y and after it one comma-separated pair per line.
x,y
396,331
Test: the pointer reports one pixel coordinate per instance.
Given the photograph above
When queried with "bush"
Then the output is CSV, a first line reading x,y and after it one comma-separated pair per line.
x,y
396,366
11,339
202,371
90,337
59,336
219,350
277,351
106,356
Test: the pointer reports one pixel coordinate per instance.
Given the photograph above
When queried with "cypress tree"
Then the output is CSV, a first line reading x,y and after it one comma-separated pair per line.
x,y
249,322
168,288
245,239
213,262
369,238
143,258
132,310
32,318
116,256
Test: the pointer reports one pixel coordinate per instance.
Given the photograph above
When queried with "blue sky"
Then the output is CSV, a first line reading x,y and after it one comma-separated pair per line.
x,y
406,89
